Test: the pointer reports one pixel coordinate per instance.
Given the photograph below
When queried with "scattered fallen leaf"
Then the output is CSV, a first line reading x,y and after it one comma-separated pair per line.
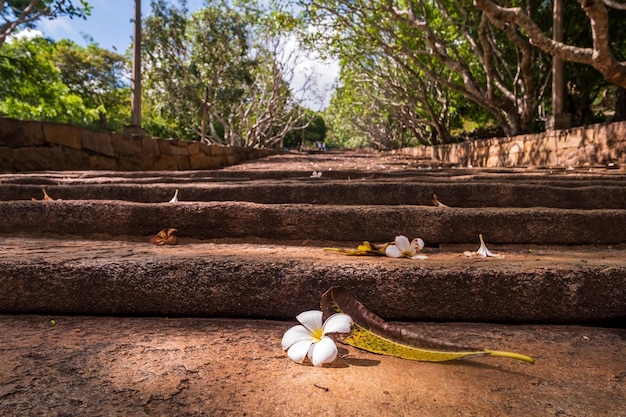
x,y
165,237
373,334
364,249
175,198
438,203
46,197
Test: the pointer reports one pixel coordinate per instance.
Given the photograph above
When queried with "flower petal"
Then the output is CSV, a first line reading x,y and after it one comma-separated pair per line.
x,y
484,252
311,319
393,251
493,255
324,352
402,242
298,351
338,323
294,335
419,257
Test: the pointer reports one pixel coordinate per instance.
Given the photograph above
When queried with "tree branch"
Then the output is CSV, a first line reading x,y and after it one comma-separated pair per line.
x,y
600,56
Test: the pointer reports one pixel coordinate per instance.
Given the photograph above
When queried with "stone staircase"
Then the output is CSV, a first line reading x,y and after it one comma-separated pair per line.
x,y
250,251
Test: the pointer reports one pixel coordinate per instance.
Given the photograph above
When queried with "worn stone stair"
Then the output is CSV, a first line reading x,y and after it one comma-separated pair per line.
x,y
251,250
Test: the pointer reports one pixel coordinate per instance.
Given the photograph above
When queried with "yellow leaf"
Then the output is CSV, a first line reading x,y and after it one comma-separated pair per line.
x,y
364,249
371,333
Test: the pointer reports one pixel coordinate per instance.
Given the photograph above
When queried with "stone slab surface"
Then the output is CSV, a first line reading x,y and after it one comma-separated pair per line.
x,y
107,366
307,191
209,220
244,278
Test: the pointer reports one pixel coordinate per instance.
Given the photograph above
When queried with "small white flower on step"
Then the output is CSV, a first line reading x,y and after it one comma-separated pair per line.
x,y
483,251
316,174
175,198
311,338
402,248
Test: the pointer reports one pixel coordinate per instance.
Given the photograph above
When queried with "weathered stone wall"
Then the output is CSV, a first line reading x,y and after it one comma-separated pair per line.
x,y
36,146
587,145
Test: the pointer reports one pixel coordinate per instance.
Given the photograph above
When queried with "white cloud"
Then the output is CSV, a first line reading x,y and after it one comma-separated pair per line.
x,y
60,28
25,34
314,78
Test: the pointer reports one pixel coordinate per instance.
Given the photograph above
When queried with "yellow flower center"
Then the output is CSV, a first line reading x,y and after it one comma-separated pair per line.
x,y
317,334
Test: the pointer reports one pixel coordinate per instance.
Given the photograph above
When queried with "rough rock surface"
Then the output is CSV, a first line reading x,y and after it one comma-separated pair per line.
x,y
539,284
108,366
109,362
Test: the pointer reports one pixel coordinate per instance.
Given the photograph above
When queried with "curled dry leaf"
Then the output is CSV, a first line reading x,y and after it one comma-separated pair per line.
x,y
438,203
46,197
373,334
165,237
175,198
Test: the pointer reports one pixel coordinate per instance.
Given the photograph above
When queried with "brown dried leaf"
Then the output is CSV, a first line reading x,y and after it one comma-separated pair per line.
x,y
165,237
46,197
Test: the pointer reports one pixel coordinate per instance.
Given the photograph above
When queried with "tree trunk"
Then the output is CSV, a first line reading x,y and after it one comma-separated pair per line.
x,y
205,111
620,105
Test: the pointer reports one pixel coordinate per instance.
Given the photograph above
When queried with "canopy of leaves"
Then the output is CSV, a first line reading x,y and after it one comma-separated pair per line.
x,y
416,65
63,82
219,74
24,13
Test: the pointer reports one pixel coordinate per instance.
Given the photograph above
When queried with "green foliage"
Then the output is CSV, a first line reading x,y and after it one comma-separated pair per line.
x,y
15,14
218,75
316,131
415,70
194,62
587,91
62,82
99,77
31,86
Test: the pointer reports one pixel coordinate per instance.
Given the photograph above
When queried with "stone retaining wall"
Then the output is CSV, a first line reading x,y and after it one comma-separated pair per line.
x,y
37,146
588,145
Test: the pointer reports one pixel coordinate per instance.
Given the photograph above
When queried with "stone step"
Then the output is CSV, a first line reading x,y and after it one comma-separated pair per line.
x,y
373,192
106,366
278,222
531,284
272,183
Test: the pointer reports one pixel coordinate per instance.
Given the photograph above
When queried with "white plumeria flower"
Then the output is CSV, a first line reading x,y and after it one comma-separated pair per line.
x,y
405,249
309,339
483,251
175,198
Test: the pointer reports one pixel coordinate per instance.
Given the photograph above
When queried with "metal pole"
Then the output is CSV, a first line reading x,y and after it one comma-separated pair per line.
x,y
136,72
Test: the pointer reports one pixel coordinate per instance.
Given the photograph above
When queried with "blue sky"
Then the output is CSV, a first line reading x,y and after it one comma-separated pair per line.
x,y
110,24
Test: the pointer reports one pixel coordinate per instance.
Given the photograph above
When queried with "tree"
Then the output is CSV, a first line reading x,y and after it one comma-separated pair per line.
x,y
17,13
605,50
600,55
100,78
31,86
195,65
219,74
424,58
316,131
60,81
